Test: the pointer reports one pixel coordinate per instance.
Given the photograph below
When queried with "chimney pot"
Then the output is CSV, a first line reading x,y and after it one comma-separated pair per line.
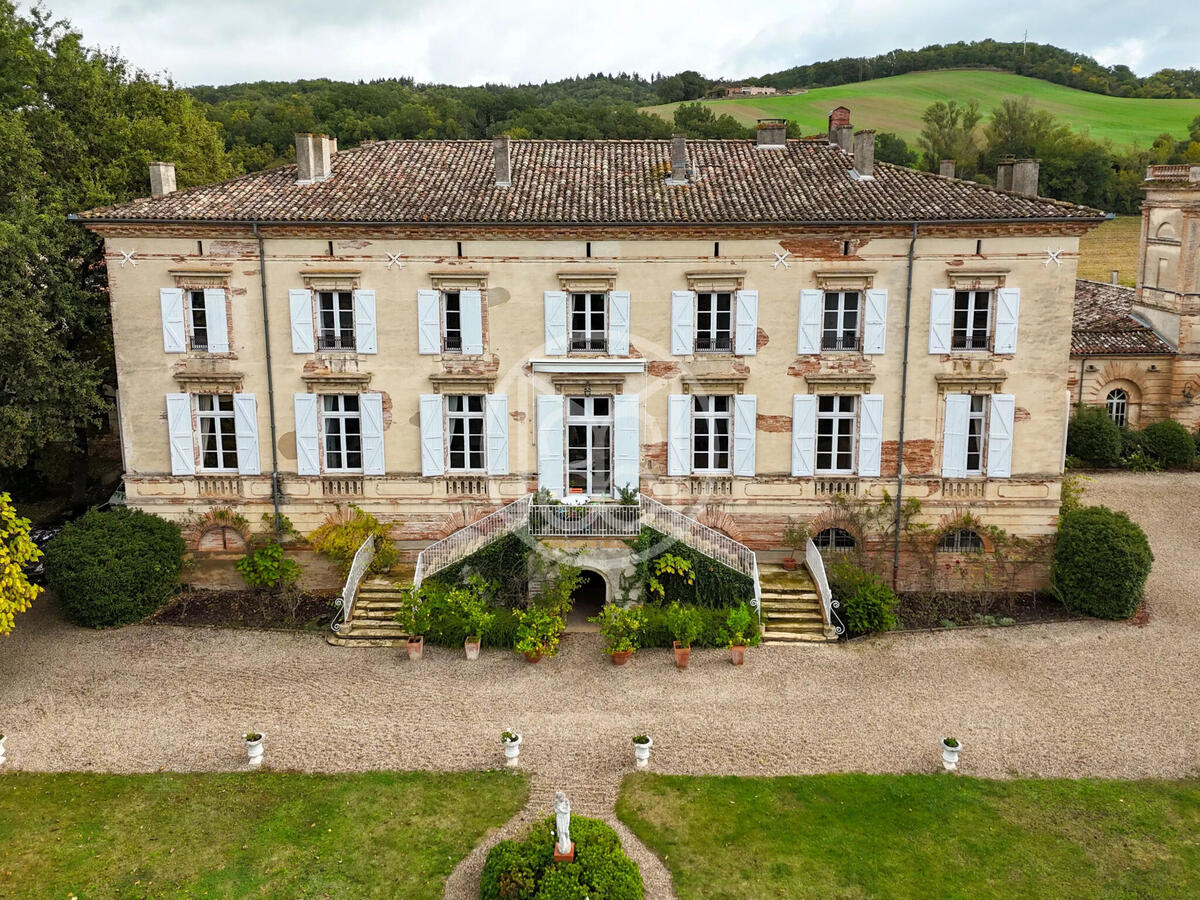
x,y
162,179
1112,277
1025,177
946,168
313,158
679,160
501,153
1004,174
772,133
864,153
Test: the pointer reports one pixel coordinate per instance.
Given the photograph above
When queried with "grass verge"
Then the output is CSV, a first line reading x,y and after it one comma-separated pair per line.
x,y
919,836
377,834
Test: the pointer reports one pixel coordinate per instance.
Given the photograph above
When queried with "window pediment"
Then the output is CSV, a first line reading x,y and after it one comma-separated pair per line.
x,y
330,279
458,281
588,282
330,382
840,382
976,279
727,280
845,280
200,278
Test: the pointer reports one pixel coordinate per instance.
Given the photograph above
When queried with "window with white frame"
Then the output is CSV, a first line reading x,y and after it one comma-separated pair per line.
x,y
834,539
840,320
712,433
197,320
335,320
1117,404
714,322
972,320
976,433
452,341
836,415
465,433
341,423
589,322
218,434
960,540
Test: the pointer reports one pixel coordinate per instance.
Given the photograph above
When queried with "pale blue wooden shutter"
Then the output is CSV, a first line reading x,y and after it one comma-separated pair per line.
x,y
433,430
804,435
179,434
626,445
429,323
941,319
550,443
470,304
308,446
745,430
954,436
174,334
679,434
371,411
215,320
300,302
870,435
496,429
682,305
245,426
1008,309
366,326
555,304
746,327
618,323
875,321
1000,436
808,335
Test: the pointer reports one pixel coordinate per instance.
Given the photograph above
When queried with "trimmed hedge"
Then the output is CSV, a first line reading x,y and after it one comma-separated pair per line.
x,y
1169,443
1093,437
1101,561
114,567
525,870
656,631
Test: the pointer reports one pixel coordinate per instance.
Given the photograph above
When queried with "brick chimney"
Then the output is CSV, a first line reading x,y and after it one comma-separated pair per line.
x,y
946,169
1004,173
162,179
314,154
501,145
1025,177
679,160
772,134
839,117
864,153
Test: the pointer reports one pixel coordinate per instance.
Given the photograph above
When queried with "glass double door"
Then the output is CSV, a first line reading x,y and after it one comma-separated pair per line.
x,y
589,445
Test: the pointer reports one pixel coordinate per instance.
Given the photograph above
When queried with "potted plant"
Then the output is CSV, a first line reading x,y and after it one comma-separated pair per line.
x,y
684,623
512,746
737,632
620,628
641,750
950,750
476,614
413,617
254,747
795,536
538,633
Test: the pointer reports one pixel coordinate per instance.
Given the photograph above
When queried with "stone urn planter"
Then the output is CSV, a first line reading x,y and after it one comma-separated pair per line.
x,y
416,647
951,747
641,750
471,645
512,747
254,747
737,654
620,657
682,655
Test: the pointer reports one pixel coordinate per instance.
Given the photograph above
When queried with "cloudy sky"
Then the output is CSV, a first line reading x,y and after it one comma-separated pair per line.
x,y
473,41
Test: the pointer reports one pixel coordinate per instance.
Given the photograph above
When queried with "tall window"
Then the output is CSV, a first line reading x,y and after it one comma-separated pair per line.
x,y
589,325
335,316
834,539
218,438
464,432
451,322
976,430
197,321
972,317
712,430
835,434
589,445
714,322
342,424
1118,406
839,323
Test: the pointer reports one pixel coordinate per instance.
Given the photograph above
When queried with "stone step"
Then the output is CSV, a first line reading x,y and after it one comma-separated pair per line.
x,y
788,637
791,598
372,603
784,608
373,622
803,616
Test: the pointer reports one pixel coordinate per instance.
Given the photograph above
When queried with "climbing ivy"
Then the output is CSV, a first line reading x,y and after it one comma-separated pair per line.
x,y
711,585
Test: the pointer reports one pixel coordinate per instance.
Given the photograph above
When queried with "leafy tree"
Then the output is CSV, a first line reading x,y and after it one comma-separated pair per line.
x,y
689,85
892,148
16,552
699,121
949,133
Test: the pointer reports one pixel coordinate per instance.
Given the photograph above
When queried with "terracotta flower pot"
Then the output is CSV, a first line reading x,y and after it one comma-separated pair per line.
x,y
737,654
416,646
532,657
789,562
472,647
621,657
682,655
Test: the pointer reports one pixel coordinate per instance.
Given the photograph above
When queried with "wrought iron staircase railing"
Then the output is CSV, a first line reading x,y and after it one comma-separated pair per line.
x,y
363,557
829,606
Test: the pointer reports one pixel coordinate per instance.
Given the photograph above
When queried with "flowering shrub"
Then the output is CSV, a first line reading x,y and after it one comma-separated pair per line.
x,y
343,532
16,552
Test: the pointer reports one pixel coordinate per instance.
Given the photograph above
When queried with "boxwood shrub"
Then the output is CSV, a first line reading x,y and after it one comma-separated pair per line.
x,y
1101,561
114,567
1093,437
525,870
1169,443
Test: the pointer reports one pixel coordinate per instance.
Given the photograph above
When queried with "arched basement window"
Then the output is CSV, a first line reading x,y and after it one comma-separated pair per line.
x,y
834,539
1117,403
960,540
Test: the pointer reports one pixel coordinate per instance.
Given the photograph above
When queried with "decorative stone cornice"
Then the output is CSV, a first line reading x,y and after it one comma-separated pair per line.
x,y
327,382
840,382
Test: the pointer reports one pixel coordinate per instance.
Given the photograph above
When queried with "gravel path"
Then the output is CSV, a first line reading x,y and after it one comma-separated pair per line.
x,y
1069,699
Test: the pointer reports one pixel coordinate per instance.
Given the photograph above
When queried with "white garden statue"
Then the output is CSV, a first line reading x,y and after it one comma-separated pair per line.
x,y
564,849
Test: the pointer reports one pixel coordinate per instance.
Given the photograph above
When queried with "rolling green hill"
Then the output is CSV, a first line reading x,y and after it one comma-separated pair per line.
x,y
895,105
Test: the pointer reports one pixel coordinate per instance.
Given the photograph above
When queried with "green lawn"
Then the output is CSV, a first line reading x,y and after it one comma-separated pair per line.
x,y
895,105
379,834
1112,245
919,836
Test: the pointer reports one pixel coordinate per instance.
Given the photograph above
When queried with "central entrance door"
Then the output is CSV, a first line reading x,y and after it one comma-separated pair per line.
x,y
589,446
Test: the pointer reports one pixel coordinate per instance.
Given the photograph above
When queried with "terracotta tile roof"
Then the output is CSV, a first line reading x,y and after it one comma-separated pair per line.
x,y
1103,324
593,182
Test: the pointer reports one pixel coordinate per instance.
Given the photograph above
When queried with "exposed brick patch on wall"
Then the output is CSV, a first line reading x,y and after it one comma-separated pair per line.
x,y
387,410
662,368
232,248
1021,414
827,247
471,365
814,364
654,456
762,339
354,245
715,517
774,424
918,457
518,415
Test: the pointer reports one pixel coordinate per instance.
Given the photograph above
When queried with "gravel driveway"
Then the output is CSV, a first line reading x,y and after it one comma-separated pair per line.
x,y
1069,699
